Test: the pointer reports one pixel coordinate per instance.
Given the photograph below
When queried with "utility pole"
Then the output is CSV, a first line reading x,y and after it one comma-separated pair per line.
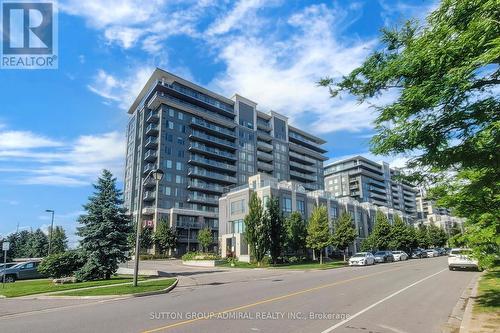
x,y
51,229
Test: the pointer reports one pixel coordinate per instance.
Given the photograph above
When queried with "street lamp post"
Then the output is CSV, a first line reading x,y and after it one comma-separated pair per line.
x,y
157,175
51,229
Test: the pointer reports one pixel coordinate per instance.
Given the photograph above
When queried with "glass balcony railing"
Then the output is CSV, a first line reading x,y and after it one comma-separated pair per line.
x,y
212,151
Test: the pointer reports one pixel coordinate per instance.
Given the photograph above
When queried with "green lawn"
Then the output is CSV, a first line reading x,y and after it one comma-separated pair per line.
x,y
122,289
305,265
488,296
31,287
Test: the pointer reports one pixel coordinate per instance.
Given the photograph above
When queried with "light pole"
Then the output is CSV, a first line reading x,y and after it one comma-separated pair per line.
x,y
157,175
51,229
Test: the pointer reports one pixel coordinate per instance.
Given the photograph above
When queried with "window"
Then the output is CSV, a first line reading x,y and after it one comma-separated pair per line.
x,y
180,140
168,164
238,206
168,150
178,166
169,137
178,179
265,200
170,124
237,227
301,207
171,112
287,205
168,177
180,153
180,115
168,190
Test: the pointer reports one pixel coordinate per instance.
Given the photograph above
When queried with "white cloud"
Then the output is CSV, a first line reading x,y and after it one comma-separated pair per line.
x,y
24,140
75,163
125,37
235,17
120,90
282,73
394,161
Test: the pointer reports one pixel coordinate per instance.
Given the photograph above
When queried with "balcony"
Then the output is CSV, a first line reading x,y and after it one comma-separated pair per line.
x,y
152,129
149,167
301,158
150,156
150,183
264,136
302,176
264,156
263,125
204,174
302,167
214,152
151,142
213,129
205,162
264,166
200,136
264,146
149,196
205,187
200,99
301,140
152,117
203,199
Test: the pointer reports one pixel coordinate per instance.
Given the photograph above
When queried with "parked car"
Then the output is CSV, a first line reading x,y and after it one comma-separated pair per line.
x,y
431,253
383,256
22,271
362,258
400,255
442,251
460,258
7,265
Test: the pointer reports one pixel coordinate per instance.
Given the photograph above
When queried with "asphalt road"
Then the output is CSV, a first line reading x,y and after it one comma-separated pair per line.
x,y
412,296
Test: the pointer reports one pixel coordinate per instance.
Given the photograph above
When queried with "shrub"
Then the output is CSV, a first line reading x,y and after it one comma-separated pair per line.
x,y
61,264
200,256
153,256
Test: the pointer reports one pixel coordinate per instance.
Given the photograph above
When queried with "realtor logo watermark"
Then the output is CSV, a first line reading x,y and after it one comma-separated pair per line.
x,y
29,34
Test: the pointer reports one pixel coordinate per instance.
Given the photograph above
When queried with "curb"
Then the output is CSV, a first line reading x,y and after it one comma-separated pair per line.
x,y
465,325
107,297
461,313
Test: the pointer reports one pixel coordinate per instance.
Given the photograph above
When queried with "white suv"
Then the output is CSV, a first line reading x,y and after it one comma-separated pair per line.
x,y
460,258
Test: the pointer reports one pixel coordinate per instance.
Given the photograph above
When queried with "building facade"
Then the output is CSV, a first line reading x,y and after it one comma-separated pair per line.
x,y
368,181
292,196
206,144
428,212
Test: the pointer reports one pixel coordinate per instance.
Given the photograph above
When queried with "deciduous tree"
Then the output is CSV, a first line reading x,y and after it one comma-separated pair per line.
x,y
344,233
318,231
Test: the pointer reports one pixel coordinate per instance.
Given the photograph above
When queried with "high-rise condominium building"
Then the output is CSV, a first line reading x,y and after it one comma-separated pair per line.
x,y
206,144
368,181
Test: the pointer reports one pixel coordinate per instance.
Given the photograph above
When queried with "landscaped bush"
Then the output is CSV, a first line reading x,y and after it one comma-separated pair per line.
x,y
61,264
200,256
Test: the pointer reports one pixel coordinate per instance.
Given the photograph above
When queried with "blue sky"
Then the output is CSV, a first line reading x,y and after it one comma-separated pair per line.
x,y
59,128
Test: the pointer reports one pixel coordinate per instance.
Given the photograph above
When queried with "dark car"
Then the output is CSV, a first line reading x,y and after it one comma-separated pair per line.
x,y
418,254
22,271
384,256
7,265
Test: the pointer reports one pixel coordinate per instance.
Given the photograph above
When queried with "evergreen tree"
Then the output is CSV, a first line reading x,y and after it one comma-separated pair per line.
x,y
422,236
402,237
276,229
295,233
318,231
165,237
381,232
344,233
146,240
104,230
37,245
257,229
205,238
59,242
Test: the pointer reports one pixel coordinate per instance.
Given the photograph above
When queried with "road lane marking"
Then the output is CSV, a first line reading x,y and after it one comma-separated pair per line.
x,y
269,300
381,301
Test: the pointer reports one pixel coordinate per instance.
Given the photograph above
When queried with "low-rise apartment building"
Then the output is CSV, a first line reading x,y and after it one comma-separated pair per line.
x,y
292,196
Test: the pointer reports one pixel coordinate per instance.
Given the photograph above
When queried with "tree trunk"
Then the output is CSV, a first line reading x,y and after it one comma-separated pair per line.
x,y
345,251
321,257
314,255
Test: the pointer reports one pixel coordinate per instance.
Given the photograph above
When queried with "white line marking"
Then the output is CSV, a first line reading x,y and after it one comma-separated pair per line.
x,y
381,301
